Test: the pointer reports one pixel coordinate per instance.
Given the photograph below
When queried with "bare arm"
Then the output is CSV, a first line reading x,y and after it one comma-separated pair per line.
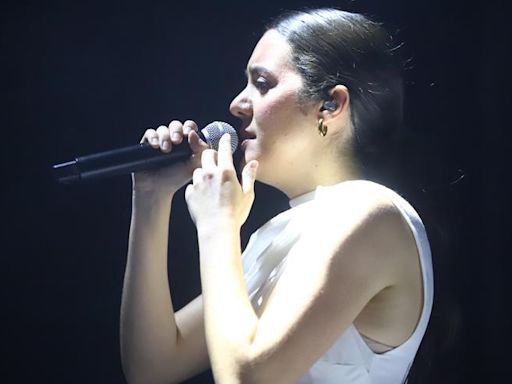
x,y
153,349
321,292
323,289
157,345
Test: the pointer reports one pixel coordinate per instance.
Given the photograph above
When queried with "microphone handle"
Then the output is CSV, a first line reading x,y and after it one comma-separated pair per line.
x,y
119,161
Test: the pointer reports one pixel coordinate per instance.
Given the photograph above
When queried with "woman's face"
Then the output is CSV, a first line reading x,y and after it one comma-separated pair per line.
x,y
275,130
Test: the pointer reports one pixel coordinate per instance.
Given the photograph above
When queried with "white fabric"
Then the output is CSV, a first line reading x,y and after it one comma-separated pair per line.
x,y
349,360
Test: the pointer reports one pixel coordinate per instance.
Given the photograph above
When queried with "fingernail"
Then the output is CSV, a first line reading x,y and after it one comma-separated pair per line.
x,y
154,140
175,136
165,145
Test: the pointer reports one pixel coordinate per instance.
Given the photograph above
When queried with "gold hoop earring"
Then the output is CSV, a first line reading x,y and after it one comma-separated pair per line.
x,y
322,129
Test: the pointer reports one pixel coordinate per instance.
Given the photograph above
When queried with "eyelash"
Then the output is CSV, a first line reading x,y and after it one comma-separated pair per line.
x,y
262,84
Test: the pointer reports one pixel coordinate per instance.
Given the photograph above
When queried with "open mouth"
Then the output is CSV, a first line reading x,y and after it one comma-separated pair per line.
x,y
245,135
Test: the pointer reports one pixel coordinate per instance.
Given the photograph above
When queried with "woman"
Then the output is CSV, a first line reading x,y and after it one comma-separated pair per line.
x,y
336,289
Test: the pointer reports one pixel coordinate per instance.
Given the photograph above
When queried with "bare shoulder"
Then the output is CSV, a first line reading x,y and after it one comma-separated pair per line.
x,y
369,210
370,236
357,226
360,195
360,213
356,234
348,252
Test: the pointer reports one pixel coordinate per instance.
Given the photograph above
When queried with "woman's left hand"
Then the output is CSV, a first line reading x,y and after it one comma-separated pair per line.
x,y
216,195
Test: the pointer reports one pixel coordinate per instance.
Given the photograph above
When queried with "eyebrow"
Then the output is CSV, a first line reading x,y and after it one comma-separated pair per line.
x,y
257,70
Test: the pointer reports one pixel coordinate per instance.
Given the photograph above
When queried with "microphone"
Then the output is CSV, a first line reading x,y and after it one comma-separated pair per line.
x,y
138,157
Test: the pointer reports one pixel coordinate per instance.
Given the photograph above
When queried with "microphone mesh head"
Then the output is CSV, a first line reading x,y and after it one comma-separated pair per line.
x,y
214,131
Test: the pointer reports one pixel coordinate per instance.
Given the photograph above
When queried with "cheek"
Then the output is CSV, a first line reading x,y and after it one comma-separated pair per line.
x,y
277,110
276,122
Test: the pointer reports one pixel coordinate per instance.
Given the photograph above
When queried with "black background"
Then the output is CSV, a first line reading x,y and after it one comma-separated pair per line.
x,y
79,77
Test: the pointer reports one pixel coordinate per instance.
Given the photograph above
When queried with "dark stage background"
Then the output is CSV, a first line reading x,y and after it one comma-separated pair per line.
x,y
79,77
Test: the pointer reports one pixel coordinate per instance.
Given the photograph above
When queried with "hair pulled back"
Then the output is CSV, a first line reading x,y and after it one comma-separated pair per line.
x,y
332,47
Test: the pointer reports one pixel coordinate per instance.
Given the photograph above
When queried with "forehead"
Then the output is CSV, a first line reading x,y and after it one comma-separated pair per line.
x,y
272,52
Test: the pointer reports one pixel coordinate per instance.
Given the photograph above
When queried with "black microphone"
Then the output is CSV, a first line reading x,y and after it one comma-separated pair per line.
x,y
138,157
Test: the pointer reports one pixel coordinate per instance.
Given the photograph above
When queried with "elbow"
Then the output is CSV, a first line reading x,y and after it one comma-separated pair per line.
x,y
135,374
252,377
146,378
263,372
242,367
261,376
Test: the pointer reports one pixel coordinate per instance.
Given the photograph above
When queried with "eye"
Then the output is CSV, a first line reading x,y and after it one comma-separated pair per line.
x,y
262,84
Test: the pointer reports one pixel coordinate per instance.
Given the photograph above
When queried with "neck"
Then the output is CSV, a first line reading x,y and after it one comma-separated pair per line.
x,y
308,180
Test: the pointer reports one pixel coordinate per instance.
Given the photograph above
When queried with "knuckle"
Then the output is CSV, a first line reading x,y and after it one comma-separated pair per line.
x,y
175,126
150,136
208,153
189,125
226,174
208,175
162,131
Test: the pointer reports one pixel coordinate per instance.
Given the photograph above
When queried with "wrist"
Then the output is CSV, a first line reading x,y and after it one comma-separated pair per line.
x,y
217,224
147,188
153,198
219,243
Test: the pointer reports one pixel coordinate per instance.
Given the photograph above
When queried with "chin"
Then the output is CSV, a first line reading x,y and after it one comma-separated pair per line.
x,y
247,156
242,158
241,162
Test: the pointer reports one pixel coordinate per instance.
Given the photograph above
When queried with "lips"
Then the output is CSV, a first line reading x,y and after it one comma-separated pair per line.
x,y
245,134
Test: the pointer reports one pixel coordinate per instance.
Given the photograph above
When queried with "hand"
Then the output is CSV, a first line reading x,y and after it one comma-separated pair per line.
x,y
169,179
216,194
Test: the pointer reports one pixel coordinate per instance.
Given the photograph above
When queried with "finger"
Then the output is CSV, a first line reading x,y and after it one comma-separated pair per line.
x,y
163,138
197,175
225,157
189,126
209,160
196,144
249,176
176,131
188,191
151,137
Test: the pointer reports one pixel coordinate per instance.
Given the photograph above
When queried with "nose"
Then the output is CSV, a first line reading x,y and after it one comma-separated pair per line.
x,y
241,106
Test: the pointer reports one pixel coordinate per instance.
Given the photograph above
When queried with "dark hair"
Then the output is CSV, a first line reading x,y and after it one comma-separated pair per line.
x,y
331,47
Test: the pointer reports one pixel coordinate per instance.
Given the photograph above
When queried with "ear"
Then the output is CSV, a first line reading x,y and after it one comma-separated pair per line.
x,y
337,107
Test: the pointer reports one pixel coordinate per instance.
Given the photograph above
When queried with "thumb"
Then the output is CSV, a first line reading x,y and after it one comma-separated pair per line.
x,y
188,193
249,176
196,144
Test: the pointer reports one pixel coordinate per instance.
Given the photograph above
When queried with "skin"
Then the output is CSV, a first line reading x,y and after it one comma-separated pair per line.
x,y
365,271
270,114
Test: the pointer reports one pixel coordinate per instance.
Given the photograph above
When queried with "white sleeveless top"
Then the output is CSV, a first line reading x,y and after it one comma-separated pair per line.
x,y
349,360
